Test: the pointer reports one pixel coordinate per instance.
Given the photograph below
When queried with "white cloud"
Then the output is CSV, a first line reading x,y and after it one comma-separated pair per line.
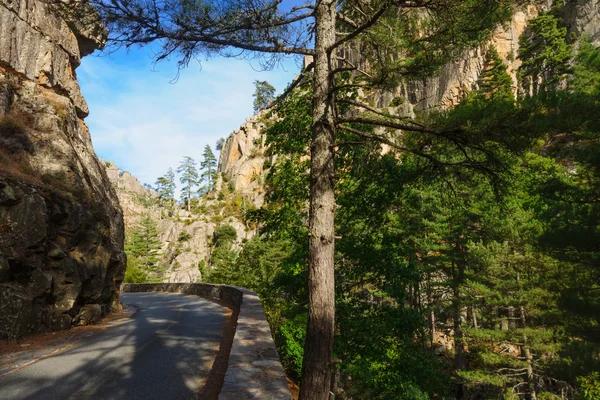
x,y
146,124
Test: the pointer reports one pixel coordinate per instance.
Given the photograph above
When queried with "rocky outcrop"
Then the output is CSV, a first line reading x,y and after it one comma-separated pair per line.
x,y
186,237
123,181
583,18
188,245
185,255
242,159
136,200
61,226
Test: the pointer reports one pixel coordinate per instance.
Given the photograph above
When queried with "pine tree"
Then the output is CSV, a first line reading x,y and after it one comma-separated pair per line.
x,y
494,81
545,53
189,179
263,95
143,244
165,187
208,168
219,144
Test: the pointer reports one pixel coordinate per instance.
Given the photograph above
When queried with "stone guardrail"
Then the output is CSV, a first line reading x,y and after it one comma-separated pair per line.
x,y
254,370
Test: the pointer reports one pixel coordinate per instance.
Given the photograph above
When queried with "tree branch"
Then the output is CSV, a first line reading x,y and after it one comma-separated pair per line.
x,y
389,124
379,112
291,87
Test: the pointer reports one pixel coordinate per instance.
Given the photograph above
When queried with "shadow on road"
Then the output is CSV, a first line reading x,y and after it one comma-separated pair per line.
x,y
165,351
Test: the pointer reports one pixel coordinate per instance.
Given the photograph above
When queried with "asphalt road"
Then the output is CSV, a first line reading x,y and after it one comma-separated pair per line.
x,y
165,351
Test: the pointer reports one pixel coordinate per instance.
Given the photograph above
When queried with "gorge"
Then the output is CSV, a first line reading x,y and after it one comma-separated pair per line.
x,y
466,202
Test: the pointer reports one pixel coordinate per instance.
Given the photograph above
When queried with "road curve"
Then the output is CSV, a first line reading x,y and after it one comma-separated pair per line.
x,y
165,351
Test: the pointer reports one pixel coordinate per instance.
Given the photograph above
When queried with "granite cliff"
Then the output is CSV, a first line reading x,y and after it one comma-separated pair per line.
x,y
135,199
243,157
186,237
61,226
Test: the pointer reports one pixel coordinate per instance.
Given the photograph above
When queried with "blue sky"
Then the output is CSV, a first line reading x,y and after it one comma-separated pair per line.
x,y
146,124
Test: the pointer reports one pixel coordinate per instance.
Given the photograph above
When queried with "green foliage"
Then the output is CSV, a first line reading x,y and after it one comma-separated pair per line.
x,y
142,246
184,236
494,81
292,336
421,238
189,178
165,187
590,386
586,71
134,273
208,169
219,144
255,267
263,95
544,52
224,236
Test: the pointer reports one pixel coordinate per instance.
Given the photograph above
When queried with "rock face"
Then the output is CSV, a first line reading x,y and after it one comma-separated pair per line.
x,y
186,237
242,159
583,18
61,226
135,198
461,76
184,256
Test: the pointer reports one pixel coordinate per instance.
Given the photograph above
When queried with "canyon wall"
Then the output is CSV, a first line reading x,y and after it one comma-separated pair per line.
x,y
186,237
242,159
61,226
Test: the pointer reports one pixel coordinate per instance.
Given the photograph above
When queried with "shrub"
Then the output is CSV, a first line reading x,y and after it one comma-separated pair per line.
x,y
225,234
60,109
133,272
184,236
293,334
590,386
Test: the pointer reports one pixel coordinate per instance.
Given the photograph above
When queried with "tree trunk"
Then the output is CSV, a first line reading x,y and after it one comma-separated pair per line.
x,y
526,354
431,313
318,348
459,345
189,198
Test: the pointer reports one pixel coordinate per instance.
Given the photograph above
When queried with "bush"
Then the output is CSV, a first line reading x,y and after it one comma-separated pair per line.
x,y
224,235
293,335
184,236
590,386
133,272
